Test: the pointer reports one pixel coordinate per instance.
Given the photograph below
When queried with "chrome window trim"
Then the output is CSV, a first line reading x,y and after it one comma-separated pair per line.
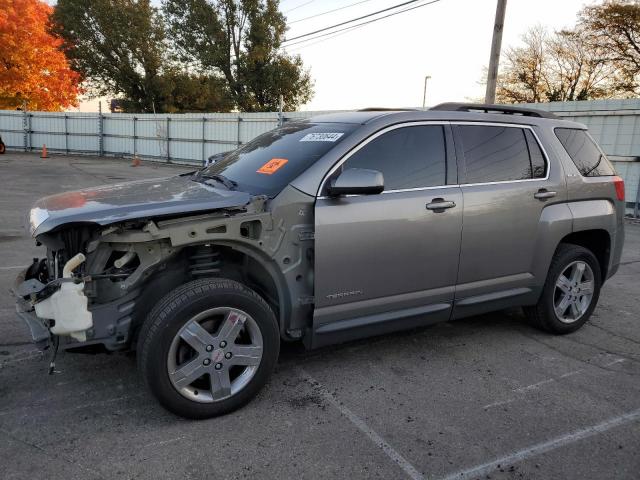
x,y
512,125
348,155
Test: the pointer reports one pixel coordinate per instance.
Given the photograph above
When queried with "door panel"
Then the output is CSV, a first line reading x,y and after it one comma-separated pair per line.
x,y
386,253
502,219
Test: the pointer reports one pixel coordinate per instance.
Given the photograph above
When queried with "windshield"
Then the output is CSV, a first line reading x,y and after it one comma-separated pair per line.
x,y
266,164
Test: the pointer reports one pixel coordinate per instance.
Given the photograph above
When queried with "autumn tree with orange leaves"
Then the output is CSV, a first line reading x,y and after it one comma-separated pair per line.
x,y
33,69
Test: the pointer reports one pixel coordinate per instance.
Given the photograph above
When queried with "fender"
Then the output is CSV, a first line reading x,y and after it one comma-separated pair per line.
x,y
556,222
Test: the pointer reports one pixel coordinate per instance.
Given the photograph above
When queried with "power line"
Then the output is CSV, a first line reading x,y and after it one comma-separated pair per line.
x,y
353,27
328,11
299,6
329,37
353,20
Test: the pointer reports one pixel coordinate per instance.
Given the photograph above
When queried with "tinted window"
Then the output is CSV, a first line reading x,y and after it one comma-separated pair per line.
x,y
408,157
538,165
266,164
494,154
584,152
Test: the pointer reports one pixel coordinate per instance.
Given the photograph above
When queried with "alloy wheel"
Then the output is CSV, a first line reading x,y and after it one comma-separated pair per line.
x,y
215,354
573,291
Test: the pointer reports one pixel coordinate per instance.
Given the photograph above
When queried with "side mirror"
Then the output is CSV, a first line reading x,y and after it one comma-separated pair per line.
x,y
357,181
214,158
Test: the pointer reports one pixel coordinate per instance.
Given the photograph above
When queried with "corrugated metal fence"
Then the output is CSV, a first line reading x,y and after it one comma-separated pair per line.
x,y
192,138
615,124
183,138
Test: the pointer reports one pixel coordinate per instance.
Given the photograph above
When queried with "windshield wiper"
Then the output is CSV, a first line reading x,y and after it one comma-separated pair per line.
x,y
230,184
595,166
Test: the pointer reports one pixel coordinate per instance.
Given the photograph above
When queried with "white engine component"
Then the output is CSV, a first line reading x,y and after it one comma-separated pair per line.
x,y
68,306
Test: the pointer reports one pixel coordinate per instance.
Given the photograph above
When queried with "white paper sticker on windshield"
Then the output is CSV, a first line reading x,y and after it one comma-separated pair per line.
x,y
321,137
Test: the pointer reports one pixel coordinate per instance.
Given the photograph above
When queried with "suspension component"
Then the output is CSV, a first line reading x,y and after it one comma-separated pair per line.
x,y
205,262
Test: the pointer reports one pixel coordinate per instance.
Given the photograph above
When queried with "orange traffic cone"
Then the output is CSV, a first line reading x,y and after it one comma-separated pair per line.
x,y
44,151
136,161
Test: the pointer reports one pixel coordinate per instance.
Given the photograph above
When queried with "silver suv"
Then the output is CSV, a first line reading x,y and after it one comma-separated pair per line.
x,y
322,231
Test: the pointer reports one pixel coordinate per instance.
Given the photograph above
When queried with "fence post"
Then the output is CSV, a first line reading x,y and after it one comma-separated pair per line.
x,y
100,130
280,114
204,140
30,125
637,205
66,135
168,140
238,141
25,125
135,137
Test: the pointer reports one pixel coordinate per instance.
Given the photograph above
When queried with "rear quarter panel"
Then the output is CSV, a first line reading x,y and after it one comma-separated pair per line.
x,y
594,205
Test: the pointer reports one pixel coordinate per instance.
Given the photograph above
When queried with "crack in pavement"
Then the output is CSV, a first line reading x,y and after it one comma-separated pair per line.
x,y
49,455
578,359
610,332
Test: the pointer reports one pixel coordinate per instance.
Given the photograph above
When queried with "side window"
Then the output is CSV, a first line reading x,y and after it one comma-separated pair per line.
x,y
538,165
494,153
408,157
584,153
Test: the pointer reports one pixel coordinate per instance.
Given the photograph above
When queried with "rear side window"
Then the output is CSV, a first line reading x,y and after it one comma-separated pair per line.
x,y
495,153
584,152
408,157
538,165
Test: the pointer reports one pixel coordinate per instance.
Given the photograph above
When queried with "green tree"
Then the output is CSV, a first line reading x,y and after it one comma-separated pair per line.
x,y
239,40
614,26
120,47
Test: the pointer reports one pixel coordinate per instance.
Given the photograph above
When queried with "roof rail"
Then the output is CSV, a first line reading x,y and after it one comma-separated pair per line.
x,y
384,109
500,109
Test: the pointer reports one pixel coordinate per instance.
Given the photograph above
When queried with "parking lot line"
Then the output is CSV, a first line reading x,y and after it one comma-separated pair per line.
x,y
392,453
14,267
544,447
523,390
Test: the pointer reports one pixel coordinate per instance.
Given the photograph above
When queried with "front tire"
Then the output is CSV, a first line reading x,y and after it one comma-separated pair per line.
x,y
208,347
570,293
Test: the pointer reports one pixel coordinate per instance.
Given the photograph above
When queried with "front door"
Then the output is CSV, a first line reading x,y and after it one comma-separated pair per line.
x,y
389,261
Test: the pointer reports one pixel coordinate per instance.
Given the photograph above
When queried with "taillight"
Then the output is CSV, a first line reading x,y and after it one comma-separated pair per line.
x,y
619,184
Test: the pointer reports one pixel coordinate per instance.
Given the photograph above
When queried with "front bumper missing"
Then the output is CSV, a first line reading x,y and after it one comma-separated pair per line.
x,y
37,328
62,301
39,331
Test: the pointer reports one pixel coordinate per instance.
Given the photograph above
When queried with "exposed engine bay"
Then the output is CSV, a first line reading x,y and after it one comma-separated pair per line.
x,y
97,283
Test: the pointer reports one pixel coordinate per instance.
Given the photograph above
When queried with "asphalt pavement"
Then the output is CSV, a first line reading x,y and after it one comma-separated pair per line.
x,y
484,397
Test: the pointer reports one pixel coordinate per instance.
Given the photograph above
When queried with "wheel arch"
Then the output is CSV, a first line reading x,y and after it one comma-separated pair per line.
x,y
597,241
236,261
270,281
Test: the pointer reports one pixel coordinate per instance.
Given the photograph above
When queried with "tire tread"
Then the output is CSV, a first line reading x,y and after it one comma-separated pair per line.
x,y
538,314
184,294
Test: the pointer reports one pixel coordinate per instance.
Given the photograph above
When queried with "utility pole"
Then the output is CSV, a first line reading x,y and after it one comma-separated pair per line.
x,y
494,59
424,95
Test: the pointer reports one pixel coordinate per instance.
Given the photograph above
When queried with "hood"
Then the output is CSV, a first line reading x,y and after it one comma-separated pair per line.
x,y
131,200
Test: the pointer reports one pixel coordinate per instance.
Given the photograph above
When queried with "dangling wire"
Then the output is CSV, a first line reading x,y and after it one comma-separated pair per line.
x,y
54,353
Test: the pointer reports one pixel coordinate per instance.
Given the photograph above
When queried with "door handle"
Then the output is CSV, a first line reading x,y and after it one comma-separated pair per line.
x,y
440,204
543,194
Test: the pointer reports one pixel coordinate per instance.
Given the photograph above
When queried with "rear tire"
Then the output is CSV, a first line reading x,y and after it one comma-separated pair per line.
x,y
208,347
2,148
570,292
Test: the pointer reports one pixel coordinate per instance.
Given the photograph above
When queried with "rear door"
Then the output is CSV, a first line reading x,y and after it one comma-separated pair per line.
x,y
506,183
389,261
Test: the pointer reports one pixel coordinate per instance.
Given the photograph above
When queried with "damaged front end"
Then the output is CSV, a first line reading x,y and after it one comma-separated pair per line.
x,y
84,290
58,306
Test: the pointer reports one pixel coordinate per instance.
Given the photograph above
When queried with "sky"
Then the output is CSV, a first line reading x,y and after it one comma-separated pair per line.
x,y
384,64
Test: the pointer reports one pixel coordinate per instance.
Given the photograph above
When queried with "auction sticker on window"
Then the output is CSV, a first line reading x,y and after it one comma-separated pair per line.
x,y
272,166
321,137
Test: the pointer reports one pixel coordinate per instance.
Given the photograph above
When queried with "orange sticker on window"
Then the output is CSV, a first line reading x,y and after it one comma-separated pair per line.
x,y
272,166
